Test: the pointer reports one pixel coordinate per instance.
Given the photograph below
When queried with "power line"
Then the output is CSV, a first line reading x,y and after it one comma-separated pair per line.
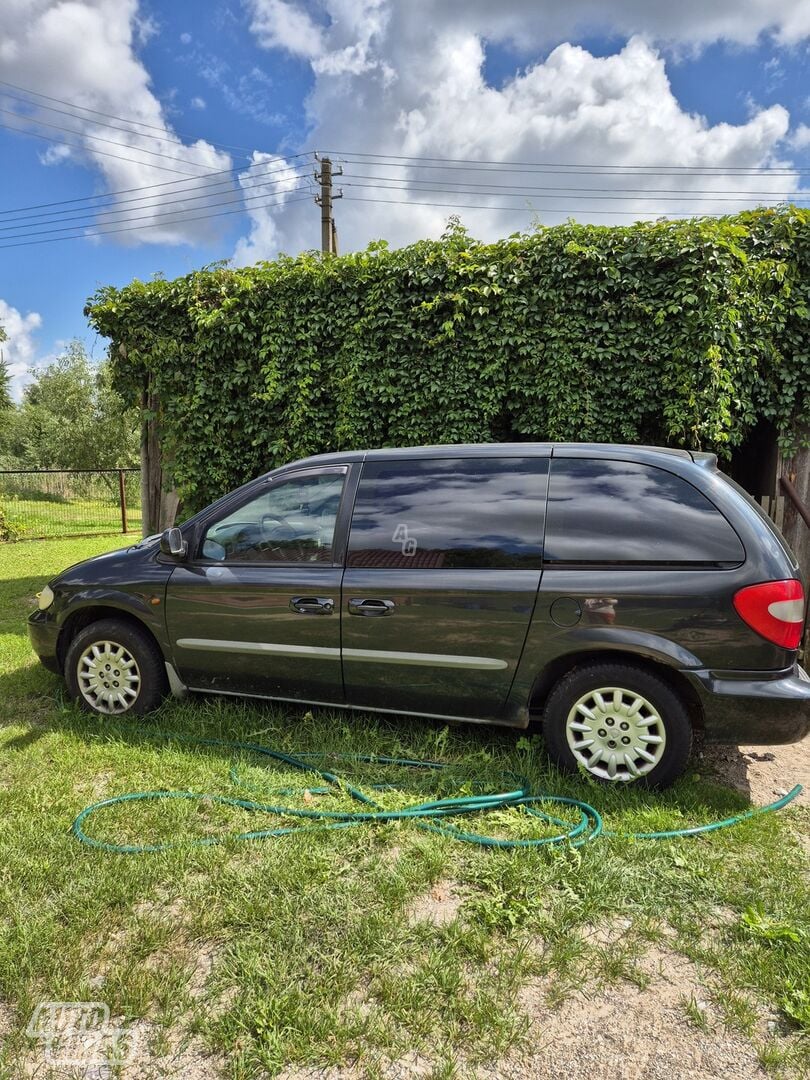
x,y
163,184
374,160
531,209
290,172
73,105
109,142
157,203
355,198
143,217
157,217
409,181
140,228
103,153
97,210
420,159
571,194
383,159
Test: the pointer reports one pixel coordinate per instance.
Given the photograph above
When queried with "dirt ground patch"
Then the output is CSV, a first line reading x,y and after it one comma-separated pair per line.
x,y
145,1051
6,1022
152,1056
628,1033
762,773
439,905
619,1033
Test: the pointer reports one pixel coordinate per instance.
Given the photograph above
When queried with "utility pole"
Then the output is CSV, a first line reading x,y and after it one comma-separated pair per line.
x,y
325,200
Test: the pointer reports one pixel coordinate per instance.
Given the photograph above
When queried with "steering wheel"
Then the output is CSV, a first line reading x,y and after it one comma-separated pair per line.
x,y
272,522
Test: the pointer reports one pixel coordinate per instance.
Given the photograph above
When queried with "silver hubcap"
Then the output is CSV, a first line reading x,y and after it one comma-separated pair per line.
x,y
616,734
109,679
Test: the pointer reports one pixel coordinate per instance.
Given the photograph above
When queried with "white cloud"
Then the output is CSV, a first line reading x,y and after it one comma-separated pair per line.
x,y
408,79
146,27
283,25
19,351
55,154
84,52
527,23
774,72
265,238
185,38
198,103
800,139
364,23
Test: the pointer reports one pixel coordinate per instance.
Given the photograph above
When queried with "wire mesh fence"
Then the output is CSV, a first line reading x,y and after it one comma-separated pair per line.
x,y
35,505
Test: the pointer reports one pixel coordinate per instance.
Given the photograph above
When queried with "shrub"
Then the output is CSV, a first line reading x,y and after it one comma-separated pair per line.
x,y
10,528
679,332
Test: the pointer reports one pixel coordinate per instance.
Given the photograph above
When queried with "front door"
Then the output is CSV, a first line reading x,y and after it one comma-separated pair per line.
x,y
256,609
442,573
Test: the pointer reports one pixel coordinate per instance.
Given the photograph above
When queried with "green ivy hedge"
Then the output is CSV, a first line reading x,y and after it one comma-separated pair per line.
x,y
681,332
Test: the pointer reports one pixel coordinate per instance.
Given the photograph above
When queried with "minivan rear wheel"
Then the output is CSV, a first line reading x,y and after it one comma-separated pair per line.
x,y
619,723
114,668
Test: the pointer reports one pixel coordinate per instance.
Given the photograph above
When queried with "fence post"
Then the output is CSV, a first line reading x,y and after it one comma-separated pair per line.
x,y
123,496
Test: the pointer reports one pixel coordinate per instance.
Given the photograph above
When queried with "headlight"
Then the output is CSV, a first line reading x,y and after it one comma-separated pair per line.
x,y
45,598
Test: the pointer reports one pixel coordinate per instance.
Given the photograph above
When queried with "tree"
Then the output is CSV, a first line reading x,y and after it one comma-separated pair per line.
x,y
72,418
6,403
5,380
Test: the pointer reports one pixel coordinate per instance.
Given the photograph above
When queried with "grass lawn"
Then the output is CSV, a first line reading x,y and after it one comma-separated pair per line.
x,y
355,949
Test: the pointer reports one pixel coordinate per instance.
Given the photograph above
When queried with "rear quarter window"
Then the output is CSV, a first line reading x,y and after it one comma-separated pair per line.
x,y
615,513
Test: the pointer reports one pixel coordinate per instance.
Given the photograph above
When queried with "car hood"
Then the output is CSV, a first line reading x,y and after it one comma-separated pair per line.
x,y
112,567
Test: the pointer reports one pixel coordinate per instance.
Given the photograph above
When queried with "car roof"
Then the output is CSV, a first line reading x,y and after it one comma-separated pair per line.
x,y
523,449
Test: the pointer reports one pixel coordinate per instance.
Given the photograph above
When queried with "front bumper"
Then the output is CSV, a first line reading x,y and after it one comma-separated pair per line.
x,y
44,634
759,708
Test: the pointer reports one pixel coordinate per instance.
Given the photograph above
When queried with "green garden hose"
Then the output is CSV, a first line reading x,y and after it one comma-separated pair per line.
x,y
434,816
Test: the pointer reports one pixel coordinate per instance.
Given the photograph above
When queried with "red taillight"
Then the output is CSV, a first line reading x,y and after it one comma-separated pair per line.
x,y
775,609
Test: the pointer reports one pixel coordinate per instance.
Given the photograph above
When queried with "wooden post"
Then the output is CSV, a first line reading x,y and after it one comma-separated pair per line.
x,y
796,469
159,507
122,494
146,502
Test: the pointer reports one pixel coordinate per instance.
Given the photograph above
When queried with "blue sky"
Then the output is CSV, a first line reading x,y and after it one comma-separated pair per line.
x,y
640,100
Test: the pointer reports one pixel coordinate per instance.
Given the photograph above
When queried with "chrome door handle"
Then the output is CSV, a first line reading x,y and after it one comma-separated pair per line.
x,y
312,605
371,608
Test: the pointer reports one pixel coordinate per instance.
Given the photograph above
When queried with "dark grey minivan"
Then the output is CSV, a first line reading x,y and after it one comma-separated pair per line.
x,y
625,595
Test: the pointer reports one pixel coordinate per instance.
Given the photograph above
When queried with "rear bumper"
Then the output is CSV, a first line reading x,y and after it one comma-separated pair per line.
x,y
44,632
754,707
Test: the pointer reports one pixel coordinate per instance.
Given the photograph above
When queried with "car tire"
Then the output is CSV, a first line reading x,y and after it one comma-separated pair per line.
x,y
114,668
618,723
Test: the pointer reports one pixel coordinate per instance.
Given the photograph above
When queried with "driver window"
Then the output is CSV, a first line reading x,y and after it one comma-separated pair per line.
x,y
291,521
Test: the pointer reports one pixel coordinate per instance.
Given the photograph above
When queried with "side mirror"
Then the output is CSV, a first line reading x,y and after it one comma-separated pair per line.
x,y
172,543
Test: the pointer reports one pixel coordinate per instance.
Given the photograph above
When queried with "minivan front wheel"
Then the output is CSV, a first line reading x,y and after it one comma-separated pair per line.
x,y
112,667
619,723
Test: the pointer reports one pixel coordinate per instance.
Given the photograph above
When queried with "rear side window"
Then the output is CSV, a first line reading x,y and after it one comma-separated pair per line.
x,y
448,513
620,512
